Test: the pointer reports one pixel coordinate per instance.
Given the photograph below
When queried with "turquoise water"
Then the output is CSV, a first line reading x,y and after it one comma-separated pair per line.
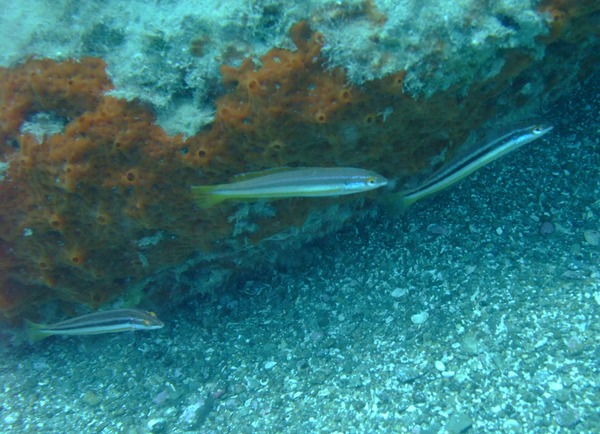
x,y
340,343
474,311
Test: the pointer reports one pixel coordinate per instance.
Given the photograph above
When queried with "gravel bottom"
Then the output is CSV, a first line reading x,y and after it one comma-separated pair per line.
x,y
476,311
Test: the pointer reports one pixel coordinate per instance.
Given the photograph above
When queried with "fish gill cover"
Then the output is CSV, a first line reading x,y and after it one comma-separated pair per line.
x,y
110,112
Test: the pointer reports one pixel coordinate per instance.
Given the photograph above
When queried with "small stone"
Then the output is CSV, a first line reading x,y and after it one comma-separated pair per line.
x,y
196,413
562,396
470,344
11,418
160,397
399,292
270,364
359,405
439,365
592,236
253,384
546,228
539,344
238,388
511,425
407,374
437,229
91,399
158,425
419,318
567,418
555,386
324,392
458,423
499,230
189,413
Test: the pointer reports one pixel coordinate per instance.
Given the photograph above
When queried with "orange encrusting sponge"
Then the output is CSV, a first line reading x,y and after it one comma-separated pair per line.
x,y
77,210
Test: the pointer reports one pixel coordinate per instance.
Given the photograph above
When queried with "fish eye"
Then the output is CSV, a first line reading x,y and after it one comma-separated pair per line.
x,y
537,129
371,181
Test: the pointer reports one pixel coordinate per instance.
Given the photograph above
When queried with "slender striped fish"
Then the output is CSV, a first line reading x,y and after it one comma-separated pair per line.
x,y
479,156
110,321
291,182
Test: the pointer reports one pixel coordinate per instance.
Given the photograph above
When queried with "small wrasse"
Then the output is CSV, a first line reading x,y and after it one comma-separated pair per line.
x,y
291,182
110,321
476,157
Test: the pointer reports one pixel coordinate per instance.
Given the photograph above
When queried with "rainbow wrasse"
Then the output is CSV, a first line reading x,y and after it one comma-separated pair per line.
x,y
477,157
291,182
110,321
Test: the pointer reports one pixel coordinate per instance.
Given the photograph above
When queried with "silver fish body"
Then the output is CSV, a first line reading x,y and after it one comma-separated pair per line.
x,y
291,182
110,321
477,157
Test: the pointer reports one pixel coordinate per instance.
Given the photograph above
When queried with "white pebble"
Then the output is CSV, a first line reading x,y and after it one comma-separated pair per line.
x,y
541,343
499,230
555,386
437,229
439,365
592,236
398,292
419,318
270,364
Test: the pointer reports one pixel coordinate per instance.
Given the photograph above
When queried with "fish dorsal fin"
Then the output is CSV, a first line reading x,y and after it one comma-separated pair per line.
x,y
258,174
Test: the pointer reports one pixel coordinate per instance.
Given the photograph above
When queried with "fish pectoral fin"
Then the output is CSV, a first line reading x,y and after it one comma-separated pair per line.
x,y
204,196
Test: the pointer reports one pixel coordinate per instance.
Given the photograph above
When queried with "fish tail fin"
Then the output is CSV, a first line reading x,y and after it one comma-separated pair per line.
x,y
397,203
204,196
35,331
407,201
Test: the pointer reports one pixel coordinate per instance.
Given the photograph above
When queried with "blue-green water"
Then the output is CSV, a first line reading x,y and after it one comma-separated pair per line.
x,y
467,314
475,311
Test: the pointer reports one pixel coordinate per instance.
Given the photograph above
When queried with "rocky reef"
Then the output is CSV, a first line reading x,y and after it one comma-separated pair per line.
x,y
95,193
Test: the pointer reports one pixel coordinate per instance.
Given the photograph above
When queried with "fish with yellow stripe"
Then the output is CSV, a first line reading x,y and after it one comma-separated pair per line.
x,y
475,158
109,321
290,182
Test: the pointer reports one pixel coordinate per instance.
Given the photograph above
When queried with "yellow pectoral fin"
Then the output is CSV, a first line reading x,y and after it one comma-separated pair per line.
x,y
205,197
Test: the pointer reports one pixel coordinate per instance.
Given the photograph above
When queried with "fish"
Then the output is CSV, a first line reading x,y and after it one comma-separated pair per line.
x,y
289,182
109,321
476,157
